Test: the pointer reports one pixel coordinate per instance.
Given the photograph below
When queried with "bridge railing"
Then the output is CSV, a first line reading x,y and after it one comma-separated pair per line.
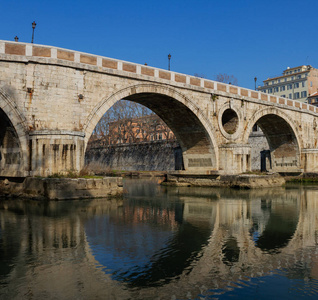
x,y
64,56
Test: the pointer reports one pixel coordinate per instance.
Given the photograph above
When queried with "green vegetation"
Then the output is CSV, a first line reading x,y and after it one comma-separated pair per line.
x,y
74,174
303,180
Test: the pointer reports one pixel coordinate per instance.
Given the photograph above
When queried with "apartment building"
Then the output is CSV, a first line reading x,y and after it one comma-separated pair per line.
x,y
313,99
134,130
295,83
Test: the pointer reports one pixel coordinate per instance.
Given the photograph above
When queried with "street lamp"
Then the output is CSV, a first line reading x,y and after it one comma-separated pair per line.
x,y
16,38
33,27
255,79
169,57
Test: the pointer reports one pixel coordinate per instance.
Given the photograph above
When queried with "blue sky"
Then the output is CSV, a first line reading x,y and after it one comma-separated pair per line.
x,y
240,38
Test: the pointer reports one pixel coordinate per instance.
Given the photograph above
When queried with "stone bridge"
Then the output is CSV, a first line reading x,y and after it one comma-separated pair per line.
x,y
51,100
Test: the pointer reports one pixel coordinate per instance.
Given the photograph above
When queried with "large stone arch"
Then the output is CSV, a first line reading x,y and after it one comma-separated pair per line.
x,y
282,137
190,125
13,138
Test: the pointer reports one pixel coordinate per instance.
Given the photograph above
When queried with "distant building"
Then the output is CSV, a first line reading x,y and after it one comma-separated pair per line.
x,y
134,130
295,83
313,99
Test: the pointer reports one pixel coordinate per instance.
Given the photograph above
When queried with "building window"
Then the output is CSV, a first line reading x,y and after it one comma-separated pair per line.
x,y
266,83
276,89
278,80
270,90
289,86
284,96
303,94
296,95
296,85
290,96
310,83
298,76
303,84
292,78
282,88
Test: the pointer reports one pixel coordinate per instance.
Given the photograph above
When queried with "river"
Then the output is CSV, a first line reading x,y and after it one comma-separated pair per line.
x,y
159,242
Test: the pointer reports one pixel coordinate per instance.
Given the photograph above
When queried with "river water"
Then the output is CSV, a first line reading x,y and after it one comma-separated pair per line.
x,y
161,242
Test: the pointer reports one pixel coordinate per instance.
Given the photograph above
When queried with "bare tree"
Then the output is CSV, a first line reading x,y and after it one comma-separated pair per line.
x,y
129,122
225,78
200,75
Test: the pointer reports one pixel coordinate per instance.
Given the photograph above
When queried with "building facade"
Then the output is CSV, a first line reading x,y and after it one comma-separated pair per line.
x,y
313,99
295,83
133,130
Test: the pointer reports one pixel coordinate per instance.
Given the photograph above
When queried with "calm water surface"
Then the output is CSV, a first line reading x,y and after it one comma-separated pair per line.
x,y
163,243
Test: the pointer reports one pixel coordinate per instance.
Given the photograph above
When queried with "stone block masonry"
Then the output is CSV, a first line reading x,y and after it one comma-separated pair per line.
x,y
148,156
51,100
62,188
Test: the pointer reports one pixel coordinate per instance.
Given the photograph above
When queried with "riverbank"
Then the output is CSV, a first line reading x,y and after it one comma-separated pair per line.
x,y
60,188
247,181
64,188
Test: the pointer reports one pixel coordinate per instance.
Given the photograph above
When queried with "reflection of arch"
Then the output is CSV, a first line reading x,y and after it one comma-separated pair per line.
x,y
279,230
189,124
12,119
177,253
231,251
281,136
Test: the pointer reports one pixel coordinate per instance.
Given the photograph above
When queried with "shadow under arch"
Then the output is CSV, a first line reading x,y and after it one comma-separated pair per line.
x,y
191,127
13,139
281,135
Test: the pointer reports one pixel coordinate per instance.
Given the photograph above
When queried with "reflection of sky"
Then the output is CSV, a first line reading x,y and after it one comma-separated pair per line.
x,y
255,236
123,247
275,286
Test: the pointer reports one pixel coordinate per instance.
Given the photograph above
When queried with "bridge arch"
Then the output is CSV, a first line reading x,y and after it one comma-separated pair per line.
x,y
282,137
13,138
191,127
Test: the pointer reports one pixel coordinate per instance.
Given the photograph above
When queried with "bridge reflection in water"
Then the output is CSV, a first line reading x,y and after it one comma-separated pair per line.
x,y
161,243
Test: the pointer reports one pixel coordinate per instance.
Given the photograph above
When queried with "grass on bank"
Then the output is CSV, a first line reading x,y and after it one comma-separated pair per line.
x,y
85,173
303,180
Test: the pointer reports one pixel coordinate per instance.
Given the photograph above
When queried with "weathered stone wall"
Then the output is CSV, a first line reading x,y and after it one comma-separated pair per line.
x,y
149,156
61,188
258,143
54,98
157,156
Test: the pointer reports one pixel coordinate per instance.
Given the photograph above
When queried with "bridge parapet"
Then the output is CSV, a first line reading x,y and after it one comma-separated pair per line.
x,y
60,56
52,98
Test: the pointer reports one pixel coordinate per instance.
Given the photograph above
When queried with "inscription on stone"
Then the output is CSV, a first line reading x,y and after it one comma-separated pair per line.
x,y
200,162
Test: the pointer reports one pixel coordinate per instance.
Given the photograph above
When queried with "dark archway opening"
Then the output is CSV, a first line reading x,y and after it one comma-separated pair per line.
x,y
230,121
274,146
158,132
10,151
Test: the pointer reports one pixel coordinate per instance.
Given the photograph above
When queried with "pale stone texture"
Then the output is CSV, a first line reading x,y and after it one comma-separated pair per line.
x,y
54,103
63,189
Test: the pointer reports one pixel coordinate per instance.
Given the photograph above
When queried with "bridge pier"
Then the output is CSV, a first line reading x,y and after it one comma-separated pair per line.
x,y
309,160
55,152
51,99
234,158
